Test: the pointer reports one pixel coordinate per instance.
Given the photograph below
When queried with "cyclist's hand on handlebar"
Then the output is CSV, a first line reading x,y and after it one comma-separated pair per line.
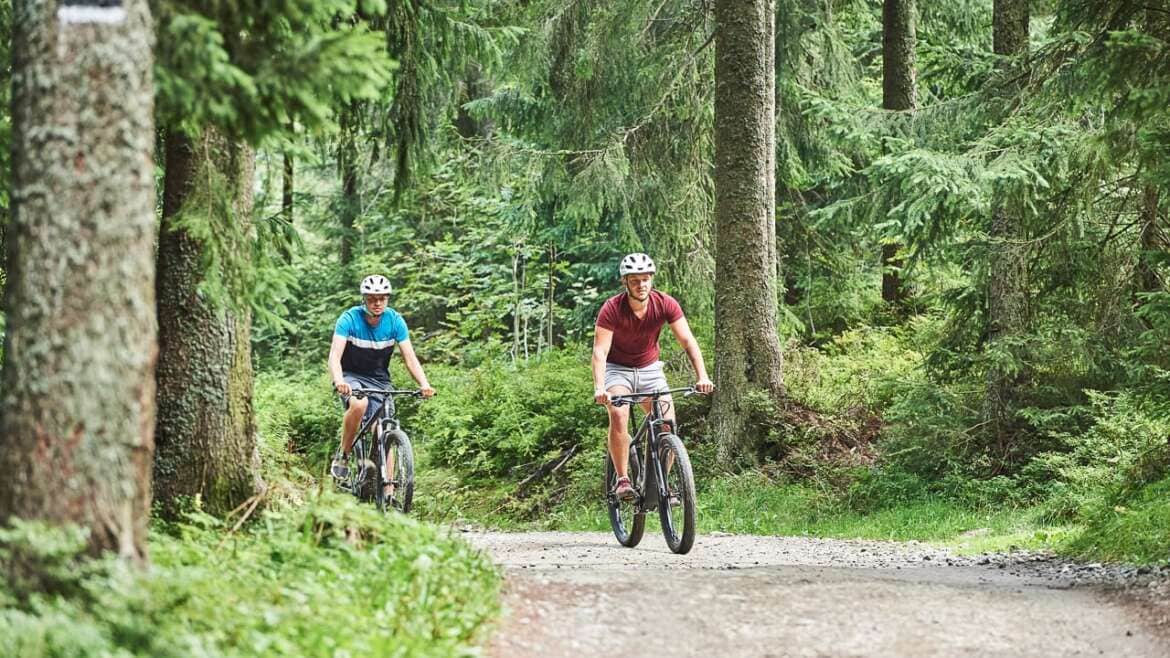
x,y
704,386
427,391
342,387
600,397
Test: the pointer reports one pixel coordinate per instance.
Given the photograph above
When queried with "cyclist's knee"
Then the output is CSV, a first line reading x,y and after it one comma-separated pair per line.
x,y
358,405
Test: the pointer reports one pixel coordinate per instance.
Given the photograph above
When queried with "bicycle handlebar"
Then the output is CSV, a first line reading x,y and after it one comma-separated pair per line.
x,y
384,392
631,398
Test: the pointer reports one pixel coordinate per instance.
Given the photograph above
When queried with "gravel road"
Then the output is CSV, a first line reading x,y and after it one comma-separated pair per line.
x,y
581,594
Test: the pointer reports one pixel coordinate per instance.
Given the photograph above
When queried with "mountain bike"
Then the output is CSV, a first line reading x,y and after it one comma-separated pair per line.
x,y
660,472
380,442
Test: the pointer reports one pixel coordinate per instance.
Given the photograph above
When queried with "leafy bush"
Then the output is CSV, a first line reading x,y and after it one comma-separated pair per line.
x,y
1123,448
1132,530
297,415
328,578
499,417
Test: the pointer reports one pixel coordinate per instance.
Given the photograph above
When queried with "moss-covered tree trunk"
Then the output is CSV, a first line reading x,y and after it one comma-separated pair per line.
x,y
77,389
899,94
1007,302
747,351
206,428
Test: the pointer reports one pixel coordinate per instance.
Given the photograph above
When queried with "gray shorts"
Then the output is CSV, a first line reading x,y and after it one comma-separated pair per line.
x,y
639,380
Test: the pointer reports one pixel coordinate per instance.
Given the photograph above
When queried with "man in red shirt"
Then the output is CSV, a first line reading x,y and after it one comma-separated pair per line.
x,y
625,354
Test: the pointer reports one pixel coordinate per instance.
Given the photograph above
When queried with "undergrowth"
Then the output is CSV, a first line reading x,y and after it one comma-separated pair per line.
x,y
881,447
329,577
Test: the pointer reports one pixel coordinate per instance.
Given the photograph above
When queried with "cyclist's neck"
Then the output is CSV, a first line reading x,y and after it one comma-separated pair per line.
x,y
635,305
372,320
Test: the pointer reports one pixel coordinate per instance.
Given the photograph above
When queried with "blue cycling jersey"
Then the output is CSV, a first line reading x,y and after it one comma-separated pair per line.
x,y
369,347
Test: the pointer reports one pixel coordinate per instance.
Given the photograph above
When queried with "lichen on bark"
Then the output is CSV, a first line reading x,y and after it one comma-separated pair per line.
x,y
77,388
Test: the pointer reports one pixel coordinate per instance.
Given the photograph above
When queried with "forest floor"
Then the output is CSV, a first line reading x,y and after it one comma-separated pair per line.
x,y
580,593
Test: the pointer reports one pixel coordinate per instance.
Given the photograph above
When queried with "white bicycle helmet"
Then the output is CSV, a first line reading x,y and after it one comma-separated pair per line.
x,y
636,264
375,284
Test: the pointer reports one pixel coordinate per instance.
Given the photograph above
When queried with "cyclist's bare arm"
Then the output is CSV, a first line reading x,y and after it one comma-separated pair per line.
x,y
415,368
682,333
602,339
335,350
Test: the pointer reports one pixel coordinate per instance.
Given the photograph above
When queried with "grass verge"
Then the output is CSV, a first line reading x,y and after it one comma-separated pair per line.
x,y
329,577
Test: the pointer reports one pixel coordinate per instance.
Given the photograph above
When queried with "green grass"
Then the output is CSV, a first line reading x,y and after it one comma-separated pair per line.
x,y
1136,530
749,504
329,577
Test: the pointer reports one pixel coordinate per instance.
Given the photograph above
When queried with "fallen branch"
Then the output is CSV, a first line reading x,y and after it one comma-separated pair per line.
x,y
251,504
546,469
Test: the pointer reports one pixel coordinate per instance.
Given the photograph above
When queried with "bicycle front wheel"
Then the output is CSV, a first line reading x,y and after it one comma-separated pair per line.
x,y
401,460
379,469
677,511
627,520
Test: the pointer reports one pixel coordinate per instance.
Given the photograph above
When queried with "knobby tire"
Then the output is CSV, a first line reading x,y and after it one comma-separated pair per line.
x,y
628,525
681,481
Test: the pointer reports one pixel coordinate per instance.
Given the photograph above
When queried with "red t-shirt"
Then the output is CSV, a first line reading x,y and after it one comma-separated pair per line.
x,y
635,342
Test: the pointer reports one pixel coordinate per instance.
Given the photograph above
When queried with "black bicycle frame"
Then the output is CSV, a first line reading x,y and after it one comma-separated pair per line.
x,y
652,489
384,415
383,411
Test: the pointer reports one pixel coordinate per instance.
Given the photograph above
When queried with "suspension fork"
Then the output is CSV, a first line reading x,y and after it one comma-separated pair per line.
x,y
654,490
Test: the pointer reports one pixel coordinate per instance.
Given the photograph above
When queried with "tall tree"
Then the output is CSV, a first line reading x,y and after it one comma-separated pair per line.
x,y
747,355
77,405
1007,303
899,94
229,80
205,431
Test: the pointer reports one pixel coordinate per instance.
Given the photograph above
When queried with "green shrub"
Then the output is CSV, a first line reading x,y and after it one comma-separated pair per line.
x,y
297,414
1123,448
329,578
1133,530
499,418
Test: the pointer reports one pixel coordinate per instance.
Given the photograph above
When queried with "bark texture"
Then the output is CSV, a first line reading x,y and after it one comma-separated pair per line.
x,y
77,389
1007,300
747,352
206,428
1010,27
899,94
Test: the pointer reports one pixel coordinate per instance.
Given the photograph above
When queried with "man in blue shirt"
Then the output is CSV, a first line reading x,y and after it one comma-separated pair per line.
x,y
359,357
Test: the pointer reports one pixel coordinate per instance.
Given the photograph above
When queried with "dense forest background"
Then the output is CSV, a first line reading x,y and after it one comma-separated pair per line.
x,y
1020,361
971,244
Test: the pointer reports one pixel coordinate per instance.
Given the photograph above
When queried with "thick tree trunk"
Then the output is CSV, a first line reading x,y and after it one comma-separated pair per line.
x,y
206,429
899,94
1007,302
747,352
77,389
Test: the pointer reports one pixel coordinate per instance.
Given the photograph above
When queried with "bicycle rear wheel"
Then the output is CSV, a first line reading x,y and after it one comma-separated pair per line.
x,y
627,520
401,495
677,512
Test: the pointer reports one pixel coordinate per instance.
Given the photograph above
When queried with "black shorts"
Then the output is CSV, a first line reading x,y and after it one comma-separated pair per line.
x,y
362,381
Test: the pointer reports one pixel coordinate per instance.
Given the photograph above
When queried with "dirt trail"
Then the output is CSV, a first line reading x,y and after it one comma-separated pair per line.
x,y
581,594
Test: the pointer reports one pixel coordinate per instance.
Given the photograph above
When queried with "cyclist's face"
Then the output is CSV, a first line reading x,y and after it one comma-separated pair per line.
x,y
376,304
639,285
